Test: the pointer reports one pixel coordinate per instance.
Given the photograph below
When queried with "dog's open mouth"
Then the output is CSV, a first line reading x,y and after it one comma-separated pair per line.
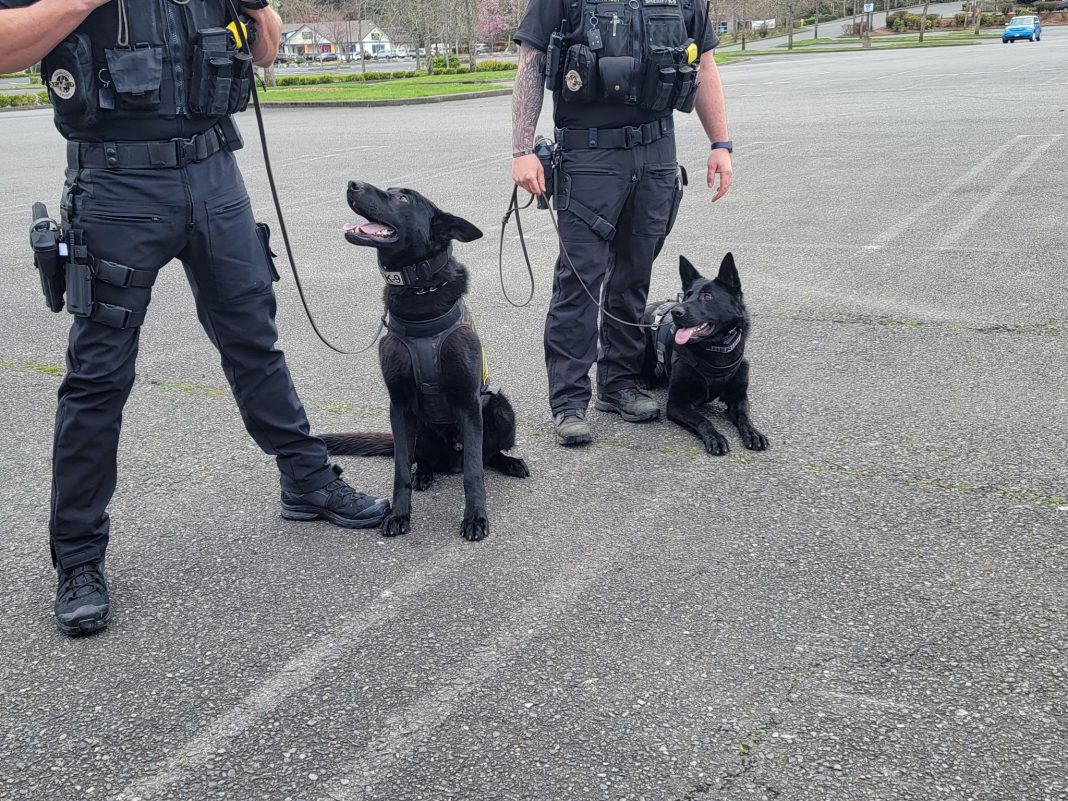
x,y
369,232
684,335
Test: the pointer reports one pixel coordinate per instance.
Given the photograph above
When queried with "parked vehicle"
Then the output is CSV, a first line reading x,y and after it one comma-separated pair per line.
x,y
1027,27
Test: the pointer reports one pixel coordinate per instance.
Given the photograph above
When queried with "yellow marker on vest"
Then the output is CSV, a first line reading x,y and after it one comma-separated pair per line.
x,y
691,52
485,367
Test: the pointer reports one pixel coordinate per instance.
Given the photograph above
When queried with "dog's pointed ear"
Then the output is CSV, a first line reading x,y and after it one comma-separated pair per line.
x,y
447,227
688,273
728,274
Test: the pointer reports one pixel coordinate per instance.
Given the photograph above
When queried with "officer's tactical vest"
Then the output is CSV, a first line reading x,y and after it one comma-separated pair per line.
x,y
634,52
146,59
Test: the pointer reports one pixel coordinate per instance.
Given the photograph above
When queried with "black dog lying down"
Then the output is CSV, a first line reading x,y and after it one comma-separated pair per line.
x,y
697,348
445,415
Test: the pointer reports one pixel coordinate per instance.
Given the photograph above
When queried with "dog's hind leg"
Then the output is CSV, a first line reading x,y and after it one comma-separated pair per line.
x,y
404,431
509,465
737,400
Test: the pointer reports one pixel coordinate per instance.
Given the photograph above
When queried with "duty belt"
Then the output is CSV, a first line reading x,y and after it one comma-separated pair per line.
x,y
611,138
170,153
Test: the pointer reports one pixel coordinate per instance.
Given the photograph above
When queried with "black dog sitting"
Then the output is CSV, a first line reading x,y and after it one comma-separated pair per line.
x,y
697,348
445,415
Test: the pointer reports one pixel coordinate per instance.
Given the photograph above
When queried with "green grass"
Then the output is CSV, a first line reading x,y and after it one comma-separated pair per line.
x,y
401,88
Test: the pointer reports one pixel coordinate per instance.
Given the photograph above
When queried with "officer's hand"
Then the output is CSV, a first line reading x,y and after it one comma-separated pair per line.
x,y
527,172
719,163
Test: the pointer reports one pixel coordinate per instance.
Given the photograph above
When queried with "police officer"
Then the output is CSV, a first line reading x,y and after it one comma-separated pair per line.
x,y
143,91
617,69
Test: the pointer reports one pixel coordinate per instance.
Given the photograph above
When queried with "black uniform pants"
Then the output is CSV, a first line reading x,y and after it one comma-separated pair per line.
x,y
143,219
638,190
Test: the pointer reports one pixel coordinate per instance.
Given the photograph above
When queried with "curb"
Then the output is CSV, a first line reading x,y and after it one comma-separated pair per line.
x,y
408,101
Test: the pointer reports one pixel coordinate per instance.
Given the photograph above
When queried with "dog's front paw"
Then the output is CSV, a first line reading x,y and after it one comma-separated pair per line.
x,y
754,440
716,444
422,480
475,527
516,468
395,525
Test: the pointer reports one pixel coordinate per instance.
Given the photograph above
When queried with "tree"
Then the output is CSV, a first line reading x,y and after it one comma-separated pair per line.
x,y
923,18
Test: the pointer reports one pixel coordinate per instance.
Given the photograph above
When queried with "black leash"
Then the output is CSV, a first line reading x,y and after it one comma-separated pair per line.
x,y
243,45
513,208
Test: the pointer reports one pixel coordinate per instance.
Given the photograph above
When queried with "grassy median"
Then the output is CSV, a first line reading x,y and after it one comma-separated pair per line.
x,y
394,89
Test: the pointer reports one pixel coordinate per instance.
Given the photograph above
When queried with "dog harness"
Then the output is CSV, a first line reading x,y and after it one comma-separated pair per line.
x,y
667,354
424,340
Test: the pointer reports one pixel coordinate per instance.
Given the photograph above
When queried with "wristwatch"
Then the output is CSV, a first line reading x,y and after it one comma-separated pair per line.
x,y
255,4
728,146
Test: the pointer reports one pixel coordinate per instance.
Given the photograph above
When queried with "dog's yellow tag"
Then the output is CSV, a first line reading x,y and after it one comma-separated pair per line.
x,y
691,52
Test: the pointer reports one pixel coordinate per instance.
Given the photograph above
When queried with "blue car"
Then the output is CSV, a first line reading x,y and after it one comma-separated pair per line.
x,y
1028,28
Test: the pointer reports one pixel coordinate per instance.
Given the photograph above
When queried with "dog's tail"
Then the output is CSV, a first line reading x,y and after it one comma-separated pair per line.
x,y
361,443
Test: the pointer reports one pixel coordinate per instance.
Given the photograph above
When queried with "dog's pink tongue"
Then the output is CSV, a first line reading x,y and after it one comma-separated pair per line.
x,y
682,336
373,228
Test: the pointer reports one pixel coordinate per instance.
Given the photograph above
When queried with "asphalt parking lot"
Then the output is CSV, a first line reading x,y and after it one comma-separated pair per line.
x,y
875,608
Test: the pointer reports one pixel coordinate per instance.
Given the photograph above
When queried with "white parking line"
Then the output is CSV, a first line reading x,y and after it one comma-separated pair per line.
x,y
997,191
412,726
902,225
293,676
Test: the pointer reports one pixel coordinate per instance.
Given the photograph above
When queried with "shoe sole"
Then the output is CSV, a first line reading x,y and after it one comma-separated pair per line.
x,y
84,627
303,514
575,439
605,406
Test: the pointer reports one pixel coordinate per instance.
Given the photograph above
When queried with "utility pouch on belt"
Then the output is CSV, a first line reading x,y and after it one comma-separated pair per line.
x,y
46,240
546,153
136,73
71,80
580,75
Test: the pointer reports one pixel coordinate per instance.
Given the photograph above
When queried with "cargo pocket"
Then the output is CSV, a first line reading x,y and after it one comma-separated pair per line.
x,y
239,265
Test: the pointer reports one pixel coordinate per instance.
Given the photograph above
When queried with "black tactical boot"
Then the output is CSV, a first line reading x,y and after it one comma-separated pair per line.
x,y
82,603
631,404
337,502
572,428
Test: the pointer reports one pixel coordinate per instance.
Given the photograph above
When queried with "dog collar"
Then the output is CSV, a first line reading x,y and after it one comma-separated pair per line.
x,y
730,342
418,273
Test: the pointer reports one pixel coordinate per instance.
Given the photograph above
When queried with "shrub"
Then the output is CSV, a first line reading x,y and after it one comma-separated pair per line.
x,y
495,66
13,101
442,62
1045,7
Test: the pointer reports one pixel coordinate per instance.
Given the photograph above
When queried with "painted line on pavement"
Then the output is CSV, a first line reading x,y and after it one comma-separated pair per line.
x,y
996,191
293,676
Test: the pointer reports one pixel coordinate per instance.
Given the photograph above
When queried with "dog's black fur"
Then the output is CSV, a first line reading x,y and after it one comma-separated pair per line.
x,y
481,432
699,373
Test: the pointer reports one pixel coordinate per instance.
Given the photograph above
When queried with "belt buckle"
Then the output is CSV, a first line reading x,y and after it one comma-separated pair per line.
x,y
633,136
185,151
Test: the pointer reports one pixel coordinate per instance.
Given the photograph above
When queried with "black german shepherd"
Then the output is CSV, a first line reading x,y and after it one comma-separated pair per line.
x,y
698,350
445,415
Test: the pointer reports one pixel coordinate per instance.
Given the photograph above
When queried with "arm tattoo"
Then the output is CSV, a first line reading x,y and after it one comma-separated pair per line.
x,y
527,97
